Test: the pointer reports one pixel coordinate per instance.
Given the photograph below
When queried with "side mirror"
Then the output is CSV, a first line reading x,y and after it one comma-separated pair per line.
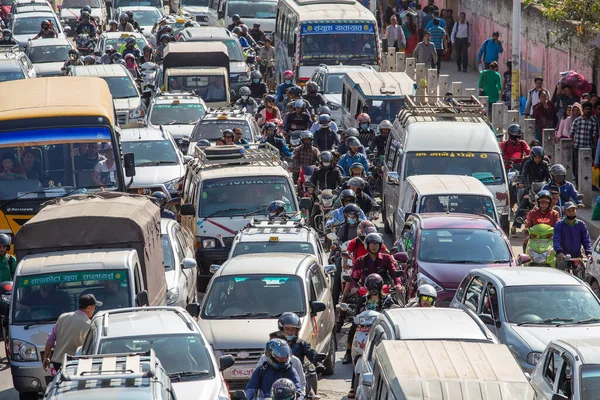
x,y
392,178
141,299
214,268
346,278
193,309
486,319
317,307
189,263
291,48
332,236
226,362
67,29
524,258
188,209
129,161
305,203
401,257
367,379
187,159
329,269
344,307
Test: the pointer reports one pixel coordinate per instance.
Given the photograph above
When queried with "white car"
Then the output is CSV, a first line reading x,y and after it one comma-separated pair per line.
x,y
158,162
180,265
70,11
25,26
145,16
48,55
200,11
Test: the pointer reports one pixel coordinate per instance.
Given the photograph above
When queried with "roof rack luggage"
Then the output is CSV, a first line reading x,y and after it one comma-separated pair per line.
x,y
262,154
108,370
438,106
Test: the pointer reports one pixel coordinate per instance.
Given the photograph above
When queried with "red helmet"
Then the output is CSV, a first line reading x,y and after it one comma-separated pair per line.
x,y
363,118
289,74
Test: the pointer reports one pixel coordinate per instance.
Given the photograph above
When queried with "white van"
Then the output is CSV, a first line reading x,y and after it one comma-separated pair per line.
x,y
444,193
252,12
443,138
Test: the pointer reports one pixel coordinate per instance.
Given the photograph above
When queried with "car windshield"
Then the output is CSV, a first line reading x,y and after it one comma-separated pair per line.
x,y
213,129
48,54
151,152
168,255
80,3
259,9
570,304
590,381
30,25
6,76
334,84
180,113
273,246
46,296
352,44
194,3
254,296
487,167
146,17
210,88
117,43
137,3
463,246
177,353
121,87
384,109
241,195
7,2
233,48
458,204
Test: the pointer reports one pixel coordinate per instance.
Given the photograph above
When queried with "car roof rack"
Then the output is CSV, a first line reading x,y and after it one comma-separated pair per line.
x,y
275,225
437,106
260,154
224,112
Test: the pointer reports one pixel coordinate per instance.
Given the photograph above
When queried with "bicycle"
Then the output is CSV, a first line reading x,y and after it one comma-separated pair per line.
x,y
576,266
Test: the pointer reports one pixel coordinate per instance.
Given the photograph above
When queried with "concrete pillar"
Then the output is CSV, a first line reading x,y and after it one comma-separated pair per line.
x,y
411,67
471,92
566,157
529,130
584,176
421,77
443,82
512,117
432,84
498,116
401,61
548,144
457,89
391,59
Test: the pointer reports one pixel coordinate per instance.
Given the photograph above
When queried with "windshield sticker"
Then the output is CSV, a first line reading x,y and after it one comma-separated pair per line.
x,y
67,277
452,154
240,182
324,29
171,105
224,121
54,136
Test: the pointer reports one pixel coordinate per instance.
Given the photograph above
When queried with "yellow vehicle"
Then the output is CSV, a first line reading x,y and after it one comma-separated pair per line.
x,y
57,137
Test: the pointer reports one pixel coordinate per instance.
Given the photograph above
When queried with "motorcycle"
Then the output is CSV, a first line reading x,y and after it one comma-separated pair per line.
x,y
375,179
148,71
363,322
336,257
5,299
539,246
84,44
325,205
532,192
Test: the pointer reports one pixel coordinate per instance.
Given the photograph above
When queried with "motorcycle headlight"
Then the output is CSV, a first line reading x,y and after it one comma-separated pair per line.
x,y
24,351
422,280
172,296
327,202
540,257
209,243
533,358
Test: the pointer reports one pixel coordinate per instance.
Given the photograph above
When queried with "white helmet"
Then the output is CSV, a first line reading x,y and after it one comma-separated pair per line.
x,y
385,124
426,290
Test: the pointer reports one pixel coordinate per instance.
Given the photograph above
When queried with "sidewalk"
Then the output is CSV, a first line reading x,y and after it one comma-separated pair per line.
x,y
593,226
469,79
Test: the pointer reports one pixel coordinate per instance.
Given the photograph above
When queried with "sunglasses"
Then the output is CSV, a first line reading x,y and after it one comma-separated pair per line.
x,y
427,298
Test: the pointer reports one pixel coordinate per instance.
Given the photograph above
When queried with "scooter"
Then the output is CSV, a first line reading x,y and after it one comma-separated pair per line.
x,y
539,247
5,299
84,44
325,204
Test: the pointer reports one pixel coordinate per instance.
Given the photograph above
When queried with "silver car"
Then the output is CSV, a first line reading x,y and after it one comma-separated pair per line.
x,y
180,264
530,306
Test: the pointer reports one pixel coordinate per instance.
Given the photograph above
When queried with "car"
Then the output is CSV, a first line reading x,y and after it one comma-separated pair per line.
x,y
117,40
329,78
179,23
70,10
419,324
178,113
25,6
528,307
568,369
15,64
145,16
252,291
176,339
593,268
214,122
200,10
123,88
442,248
180,265
25,26
158,162
48,55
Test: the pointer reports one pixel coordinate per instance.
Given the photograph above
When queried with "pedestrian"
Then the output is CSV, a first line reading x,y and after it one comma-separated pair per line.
x,y
448,18
436,15
461,39
430,7
490,84
439,40
506,84
564,125
544,114
8,262
69,331
565,98
425,51
490,50
413,38
584,132
533,95
425,20
395,34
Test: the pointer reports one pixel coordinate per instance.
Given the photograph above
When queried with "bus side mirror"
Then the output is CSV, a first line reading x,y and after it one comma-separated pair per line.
x,y
129,161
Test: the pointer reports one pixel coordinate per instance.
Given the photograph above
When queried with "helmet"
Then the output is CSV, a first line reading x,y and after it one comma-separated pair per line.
x,y
237,30
374,282
326,156
255,75
109,49
324,119
283,389
74,53
289,74
129,56
130,15
356,165
277,350
4,239
165,36
558,173
235,17
86,8
85,14
270,126
541,194
112,22
123,17
347,197
295,90
324,110
120,61
358,183
44,23
147,48
312,87
426,290
6,33
116,56
203,143
276,208
515,130
352,142
289,319
364,118
351,209
245,91
352,132
364,228
160,199
373,238
270,97
228,132
129,41
299,104
385,124
537,151
90,60
244,28
306,135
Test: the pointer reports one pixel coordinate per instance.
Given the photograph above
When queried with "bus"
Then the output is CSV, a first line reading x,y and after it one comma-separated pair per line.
x,y
309,33
54,133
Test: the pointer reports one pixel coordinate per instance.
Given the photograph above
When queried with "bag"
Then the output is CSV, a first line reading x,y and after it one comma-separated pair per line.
x,y
406,32
578,83
596,177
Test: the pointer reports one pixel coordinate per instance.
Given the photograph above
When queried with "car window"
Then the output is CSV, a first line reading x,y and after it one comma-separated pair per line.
x,y
177,244
152,153
474,292
490,301
318,282
378,337
565,378
461,288
551,368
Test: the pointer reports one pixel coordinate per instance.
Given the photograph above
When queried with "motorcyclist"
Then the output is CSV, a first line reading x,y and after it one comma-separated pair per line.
x,y
324,110
89,60
85,26
288,82
304,155
165,30
8,262
365,133
283,389
289,323
147,55
273,137
244,33
313,97
277,366
246,101
358,170
134,23
164,41
131,65
570,235
266,56
106,58
73,60
379,142
347,197
514,149
257,87
228,135
7,38
241,38
113,26
348,133
299,120
543,213
268,112
130,47
426,297
326,176
568,193
325,137
160,199
235,21
46,32
364,201
353,155
276,209
257,34
124,25
292,94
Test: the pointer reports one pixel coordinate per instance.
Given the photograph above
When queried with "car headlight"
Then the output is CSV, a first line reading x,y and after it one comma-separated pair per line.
x,y
170,185
172,296
423,280
24,351
209,243
533,358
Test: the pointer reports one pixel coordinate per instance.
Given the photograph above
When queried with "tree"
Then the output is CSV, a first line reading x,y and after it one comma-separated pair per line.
x,y
583,14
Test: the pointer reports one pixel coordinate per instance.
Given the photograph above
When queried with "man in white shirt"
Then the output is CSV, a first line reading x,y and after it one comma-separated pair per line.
x,y
395,34
533,97
461,39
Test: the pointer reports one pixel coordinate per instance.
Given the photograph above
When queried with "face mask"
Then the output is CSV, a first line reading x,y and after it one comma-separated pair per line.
x,y
288,81
324,126
244,97
351,221
326,164
290,338
364,126
256,80
307,145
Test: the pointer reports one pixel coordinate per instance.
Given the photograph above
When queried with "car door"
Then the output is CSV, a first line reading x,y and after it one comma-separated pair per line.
x,y
409,238
546,383
490,308
390,185
378,333
324,320
184,276
460,292
474,293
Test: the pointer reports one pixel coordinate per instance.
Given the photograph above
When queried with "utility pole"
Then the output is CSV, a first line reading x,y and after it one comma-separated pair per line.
x,y
516,55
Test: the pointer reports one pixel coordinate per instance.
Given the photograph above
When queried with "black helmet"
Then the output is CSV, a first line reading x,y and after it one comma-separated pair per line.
x,y
6,33
129,15
324,110
348,197
269,97
276,350
356,165
306,135
129,41
89,60
373,238
514,130
352,142
85,14
270,126
374,282
283,389
541,194
324,120
295,90
165,36
558,173
237,30
357,182
44,24
160,199
276,208
351,209
86,8
124,16
147,48
74,53
203,143
325,157
255,75
4,239
312,87
537,151
351,132
289,319
235,17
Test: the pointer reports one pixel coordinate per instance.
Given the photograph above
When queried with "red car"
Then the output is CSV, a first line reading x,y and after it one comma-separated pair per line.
x,y
442,249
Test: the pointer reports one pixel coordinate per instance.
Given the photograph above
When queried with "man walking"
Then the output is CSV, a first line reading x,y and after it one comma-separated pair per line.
x,y
490,49
461,40
425,51
439,40
533,97
583,131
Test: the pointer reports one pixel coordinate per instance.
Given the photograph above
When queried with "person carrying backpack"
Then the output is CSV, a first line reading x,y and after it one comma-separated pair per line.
x,y
8,262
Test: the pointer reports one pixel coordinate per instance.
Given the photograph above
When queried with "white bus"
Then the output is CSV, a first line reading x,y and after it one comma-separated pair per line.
x,y
332,32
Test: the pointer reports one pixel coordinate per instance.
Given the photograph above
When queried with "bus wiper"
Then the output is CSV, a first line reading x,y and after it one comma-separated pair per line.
x,y
259,209
223,211
158,162
44,192
280,314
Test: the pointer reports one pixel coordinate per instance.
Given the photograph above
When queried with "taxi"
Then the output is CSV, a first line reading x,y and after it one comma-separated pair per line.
x,y
117,40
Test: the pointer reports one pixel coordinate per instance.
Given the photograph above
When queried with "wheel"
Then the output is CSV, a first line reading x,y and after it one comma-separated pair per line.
x,y
28,396
386,226
329,362
595,287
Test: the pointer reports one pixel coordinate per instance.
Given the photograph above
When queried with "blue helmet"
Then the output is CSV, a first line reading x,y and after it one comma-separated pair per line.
x,y
324,119
278,353
276,208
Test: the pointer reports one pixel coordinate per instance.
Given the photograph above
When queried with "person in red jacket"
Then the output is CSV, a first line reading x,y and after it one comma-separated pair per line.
x,y
543,213
514,149
375,262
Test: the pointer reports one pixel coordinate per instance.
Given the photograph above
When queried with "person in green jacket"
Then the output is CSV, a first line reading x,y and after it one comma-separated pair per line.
x,y
8,262
490,83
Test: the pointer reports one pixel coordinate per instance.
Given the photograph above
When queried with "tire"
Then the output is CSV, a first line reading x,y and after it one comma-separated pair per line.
x,y
595,287
329,362
386,226
28,396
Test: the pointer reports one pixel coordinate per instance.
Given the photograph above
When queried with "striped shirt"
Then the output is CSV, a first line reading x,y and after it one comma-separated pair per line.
x,y
437,37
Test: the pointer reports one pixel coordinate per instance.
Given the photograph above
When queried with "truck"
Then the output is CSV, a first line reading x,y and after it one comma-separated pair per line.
x,y
199,68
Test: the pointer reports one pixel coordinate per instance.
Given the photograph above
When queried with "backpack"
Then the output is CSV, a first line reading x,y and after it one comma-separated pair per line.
x,y
10,262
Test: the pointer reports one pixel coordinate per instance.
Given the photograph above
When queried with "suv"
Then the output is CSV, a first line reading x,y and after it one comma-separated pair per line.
x,y
214,122
117,376
49,55
252,291
442,248
14,64
173,334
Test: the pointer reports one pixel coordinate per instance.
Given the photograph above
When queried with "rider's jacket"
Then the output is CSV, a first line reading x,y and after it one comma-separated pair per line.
x,y
537,216
533,172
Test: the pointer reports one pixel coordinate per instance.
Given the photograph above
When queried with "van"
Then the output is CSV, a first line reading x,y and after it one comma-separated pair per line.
x,y
438,137
444,193
379,94
262,12
445,370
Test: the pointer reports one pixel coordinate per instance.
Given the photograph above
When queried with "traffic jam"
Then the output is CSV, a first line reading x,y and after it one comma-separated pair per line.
x,y
211,199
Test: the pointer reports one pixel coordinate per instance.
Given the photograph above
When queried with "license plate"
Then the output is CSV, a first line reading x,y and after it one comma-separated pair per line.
x,y
241,372
363,329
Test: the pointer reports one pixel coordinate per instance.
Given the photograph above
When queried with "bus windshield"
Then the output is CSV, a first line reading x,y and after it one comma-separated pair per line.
x,y
53,162
259,9
347,43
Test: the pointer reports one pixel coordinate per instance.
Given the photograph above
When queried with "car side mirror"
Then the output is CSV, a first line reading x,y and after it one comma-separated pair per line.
x,y
332,236
188,263
214,268
305,203
329,269
67,29
317,307
193,309
129,162
486,319
401,257
524,258
226,362
367,379
392,178
188,209
141,299
187,159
